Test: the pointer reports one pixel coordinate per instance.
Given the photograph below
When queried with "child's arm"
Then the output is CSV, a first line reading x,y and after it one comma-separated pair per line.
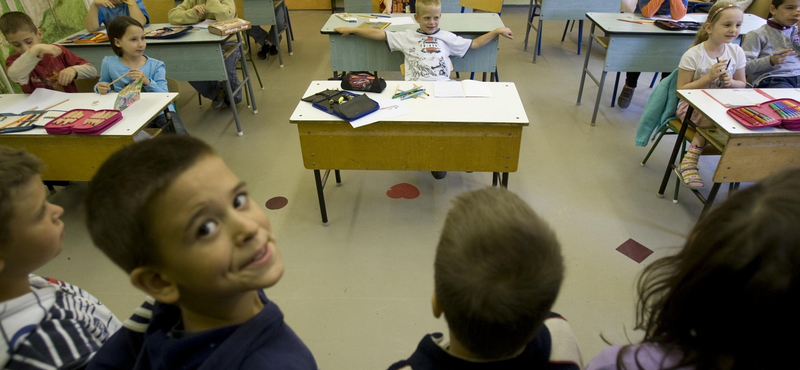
x,y
186,13
484,39
677,8
760,56
155,82
221,9
387,6
685,76
137,11
83,68
103,86
739,80
92,19
367,33
20,70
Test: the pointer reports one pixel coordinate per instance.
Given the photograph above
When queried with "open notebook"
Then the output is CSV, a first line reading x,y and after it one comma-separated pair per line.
x,y
461,89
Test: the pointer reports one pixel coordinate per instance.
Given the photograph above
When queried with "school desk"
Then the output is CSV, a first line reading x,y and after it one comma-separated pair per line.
x,y
640,47
747,155
442,134
355,53
77,158
198,56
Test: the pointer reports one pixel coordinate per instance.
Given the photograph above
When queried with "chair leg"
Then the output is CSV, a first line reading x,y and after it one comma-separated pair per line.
x,y
653,83
580,34
564,35
289,23
199,100
614,93
678,179
655,144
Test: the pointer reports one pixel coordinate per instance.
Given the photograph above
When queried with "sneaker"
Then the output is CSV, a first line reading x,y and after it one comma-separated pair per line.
x,y
273,50
625,96
439,174
220,103
262,53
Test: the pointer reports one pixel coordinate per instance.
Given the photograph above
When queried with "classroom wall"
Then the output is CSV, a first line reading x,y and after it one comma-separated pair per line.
x,y
56,19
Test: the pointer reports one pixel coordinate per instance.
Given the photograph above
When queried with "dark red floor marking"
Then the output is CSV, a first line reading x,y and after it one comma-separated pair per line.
x,y
403,190
635,251
277,203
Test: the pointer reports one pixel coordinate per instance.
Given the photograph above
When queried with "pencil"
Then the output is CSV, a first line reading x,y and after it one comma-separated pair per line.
x,y
126,73
59,103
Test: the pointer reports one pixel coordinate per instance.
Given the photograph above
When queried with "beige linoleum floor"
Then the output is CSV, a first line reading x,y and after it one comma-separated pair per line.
x,y
358,292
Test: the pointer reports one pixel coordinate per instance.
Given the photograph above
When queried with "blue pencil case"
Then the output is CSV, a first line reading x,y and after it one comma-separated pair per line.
x,y
346,105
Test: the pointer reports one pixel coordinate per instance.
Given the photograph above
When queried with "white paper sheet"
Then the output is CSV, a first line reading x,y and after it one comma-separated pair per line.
x,y
389,108
395,21
461,89
39,100
205,23
737,97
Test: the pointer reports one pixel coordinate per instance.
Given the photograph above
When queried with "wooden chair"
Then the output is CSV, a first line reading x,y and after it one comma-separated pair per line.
x,y
86,85
158,10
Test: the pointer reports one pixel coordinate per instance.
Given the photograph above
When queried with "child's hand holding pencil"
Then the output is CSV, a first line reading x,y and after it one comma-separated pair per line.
x,y
779,57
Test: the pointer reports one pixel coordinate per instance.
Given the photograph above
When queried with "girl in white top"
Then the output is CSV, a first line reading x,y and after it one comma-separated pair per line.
x,y
713,62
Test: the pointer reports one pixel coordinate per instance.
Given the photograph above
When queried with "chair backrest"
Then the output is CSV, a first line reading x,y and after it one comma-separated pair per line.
x,y
158,10
492,6
173,85
86,85
576,9
759,8
239,9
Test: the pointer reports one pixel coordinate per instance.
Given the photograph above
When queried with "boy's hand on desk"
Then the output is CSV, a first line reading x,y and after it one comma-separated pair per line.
x,y
505,32
67,75
103,87
344,30
199,10
779,57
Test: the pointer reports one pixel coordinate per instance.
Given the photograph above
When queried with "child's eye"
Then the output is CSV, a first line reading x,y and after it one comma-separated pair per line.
x,y
240,200
206,228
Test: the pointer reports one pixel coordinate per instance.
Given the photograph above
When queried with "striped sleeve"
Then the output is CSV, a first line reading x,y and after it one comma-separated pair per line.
x,y
565,353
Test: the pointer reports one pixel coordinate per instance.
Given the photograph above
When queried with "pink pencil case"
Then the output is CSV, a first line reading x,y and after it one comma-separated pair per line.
x,y
784,112
83,122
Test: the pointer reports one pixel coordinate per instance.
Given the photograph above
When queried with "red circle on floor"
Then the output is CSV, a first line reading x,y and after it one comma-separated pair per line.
x,y
403,190
277,203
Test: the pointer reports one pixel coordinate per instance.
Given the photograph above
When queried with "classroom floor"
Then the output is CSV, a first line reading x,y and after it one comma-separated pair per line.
x,y
358,291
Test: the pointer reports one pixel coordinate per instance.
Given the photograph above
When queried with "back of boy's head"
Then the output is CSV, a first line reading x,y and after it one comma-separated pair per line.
x,y
498,271
16,168
119,201
731,293
116,30
13,22
427,4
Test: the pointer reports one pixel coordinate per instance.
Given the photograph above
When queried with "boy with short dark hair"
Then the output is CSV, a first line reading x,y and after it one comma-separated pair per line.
x,y
771,49
497,273
46,323
428,49
188,234
38,65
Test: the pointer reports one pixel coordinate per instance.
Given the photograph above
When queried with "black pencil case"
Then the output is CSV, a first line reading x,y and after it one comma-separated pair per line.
x,y
677,26
343,104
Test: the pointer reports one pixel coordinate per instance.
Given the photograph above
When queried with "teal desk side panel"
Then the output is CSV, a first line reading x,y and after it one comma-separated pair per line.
x,y
576,9
259,12
632,53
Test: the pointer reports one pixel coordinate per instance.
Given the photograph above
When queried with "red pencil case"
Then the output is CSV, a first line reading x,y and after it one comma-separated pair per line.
x,y
784,112
83,122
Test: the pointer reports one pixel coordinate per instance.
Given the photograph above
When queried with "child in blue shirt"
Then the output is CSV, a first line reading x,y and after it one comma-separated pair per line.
x,y
127,40
102,12
183,226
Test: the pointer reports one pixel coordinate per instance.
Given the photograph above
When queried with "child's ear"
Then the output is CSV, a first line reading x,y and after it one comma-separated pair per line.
x,y
39,33
437,310
772,9
152,282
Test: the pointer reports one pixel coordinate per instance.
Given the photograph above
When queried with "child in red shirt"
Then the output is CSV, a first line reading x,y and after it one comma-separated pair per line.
x,y
38,65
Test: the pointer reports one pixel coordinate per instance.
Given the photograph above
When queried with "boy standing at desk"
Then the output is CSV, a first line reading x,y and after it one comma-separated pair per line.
x,y
38,65
770,49
497,272
194,11
46,323
428,49
102,12
183,226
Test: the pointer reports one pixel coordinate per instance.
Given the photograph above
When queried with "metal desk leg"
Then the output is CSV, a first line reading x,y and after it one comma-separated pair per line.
x,y
599,95
505,180
323,212
675,150
538,48
235,111
710,200
495,176
580,34
586,64
247,78
338,178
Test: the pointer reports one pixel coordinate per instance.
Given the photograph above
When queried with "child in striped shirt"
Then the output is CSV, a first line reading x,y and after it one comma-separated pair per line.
x,y
45,323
